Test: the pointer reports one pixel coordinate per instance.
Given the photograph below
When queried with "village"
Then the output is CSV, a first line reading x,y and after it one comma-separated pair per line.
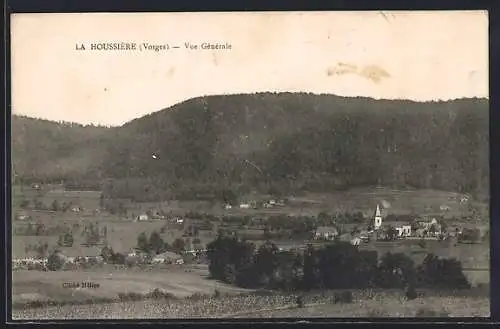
x,y
190,232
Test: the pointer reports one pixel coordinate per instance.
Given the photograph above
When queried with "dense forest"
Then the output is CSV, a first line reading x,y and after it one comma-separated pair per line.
x,y
280,143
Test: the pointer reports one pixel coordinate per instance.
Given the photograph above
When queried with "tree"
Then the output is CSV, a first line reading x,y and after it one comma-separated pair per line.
x,y
101,202
55,261
391,233
42,249
65,240
337,264
230,251
142,242
25,203
40,229
442,273
266,262
311,276
179,245
229,197
92,236
55,205
107,253
118,259
323,218
197,243
396,271
156,244
470,235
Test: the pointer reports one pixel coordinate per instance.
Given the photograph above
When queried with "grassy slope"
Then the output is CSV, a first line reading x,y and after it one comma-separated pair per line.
x,y
35,285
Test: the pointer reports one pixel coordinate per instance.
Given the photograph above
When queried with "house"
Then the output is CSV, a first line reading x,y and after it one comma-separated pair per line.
x,y
444,207
244,206
404,231
142,217
179,220
23,216
356,241
36,186
227,206
76,209
166,258
326,233
377,218
280,203
432,227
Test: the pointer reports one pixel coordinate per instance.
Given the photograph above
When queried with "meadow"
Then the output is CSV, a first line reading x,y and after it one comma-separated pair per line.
x,y
179,281
251,305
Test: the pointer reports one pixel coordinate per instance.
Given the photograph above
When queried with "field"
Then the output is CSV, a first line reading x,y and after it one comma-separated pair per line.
x,y
121,234
365,304
179,281
388,307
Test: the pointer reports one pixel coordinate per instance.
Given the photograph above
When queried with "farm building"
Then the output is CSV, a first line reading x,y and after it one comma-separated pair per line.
x,y
326,233
36,186
22,216
432,227
167,258
142,217
356,241
444,207
76,209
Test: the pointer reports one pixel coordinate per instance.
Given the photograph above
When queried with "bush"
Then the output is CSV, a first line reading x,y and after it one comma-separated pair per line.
x,y
430,313
159,294
130,296
411,293
376,313
55,262
346,297
300,301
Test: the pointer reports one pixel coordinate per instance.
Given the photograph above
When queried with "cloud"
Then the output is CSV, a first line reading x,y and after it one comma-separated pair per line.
x,y
371,72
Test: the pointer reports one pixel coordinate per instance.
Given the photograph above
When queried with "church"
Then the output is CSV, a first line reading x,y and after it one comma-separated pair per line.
x,y
377,219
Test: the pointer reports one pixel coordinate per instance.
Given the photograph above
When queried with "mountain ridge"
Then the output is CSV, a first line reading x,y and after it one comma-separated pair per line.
x,y
296,140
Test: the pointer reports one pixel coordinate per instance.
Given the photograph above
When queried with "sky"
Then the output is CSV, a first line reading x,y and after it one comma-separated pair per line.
x,y
414,55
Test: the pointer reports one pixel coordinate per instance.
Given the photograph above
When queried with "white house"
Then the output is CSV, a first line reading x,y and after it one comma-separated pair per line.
x,y
404,231
142,217
444,207
325,233
244,206
227,206
76,209
356,241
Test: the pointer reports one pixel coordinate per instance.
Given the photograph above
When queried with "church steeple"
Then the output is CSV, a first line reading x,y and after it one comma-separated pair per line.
x,y
377,219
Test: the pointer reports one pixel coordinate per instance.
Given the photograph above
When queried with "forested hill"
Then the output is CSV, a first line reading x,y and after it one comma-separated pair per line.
x,y
48,150
290,141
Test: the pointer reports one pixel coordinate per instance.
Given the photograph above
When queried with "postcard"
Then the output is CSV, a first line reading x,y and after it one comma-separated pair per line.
x,y
250,165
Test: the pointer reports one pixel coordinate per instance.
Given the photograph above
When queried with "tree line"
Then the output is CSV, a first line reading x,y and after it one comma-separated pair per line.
x,y
336,266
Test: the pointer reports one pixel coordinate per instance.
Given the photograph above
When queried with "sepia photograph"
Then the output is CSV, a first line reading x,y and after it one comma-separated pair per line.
x,y
250,165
